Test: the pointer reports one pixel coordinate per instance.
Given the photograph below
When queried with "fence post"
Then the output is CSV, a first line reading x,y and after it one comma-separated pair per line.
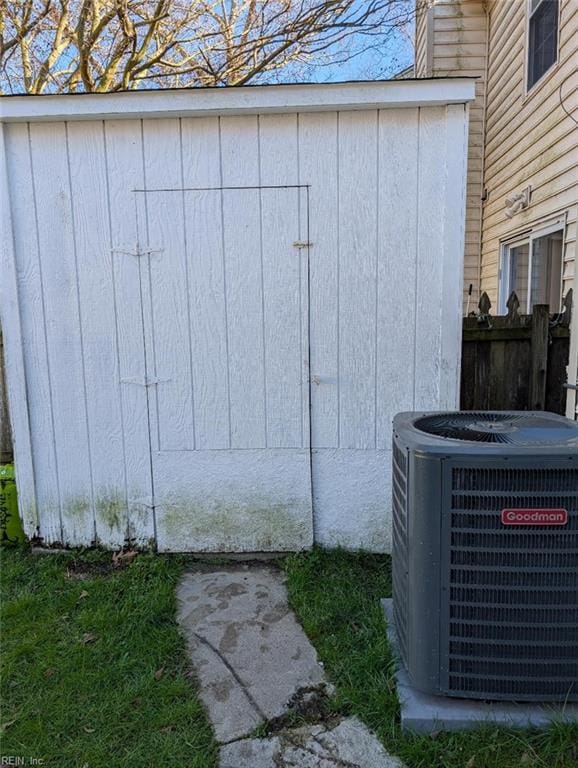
x,y
539,365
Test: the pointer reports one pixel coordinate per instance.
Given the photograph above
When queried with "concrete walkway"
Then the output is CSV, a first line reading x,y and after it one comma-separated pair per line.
x,y
346,745
256,667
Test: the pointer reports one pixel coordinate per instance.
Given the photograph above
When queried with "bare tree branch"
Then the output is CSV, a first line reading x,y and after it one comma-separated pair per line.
x,y
109,45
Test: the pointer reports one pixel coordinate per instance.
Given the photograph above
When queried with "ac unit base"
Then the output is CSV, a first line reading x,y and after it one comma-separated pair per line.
x,y
425,713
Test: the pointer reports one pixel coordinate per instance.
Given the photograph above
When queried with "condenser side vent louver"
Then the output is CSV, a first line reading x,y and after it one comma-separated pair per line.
x,y
515,582
399,542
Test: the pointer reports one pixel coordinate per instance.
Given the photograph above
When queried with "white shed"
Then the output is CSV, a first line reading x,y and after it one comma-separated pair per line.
x,y
214,301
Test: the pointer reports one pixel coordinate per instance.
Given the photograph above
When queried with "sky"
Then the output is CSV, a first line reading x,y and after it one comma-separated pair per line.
x,y
386,57
390,58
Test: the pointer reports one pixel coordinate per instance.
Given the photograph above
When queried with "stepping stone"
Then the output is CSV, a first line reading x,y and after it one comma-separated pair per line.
x,y
347,745
253,661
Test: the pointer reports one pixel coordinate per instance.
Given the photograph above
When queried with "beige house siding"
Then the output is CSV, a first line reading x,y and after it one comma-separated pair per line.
x,y
423,43
517,139
530,141
453,35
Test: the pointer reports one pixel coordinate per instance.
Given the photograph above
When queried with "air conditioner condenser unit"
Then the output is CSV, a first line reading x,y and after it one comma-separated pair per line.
x,y
485,554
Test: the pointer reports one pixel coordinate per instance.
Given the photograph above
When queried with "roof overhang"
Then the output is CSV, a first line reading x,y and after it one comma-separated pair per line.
x,y
262,99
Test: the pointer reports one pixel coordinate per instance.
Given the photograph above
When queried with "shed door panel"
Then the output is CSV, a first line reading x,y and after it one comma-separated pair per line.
x,y
227,362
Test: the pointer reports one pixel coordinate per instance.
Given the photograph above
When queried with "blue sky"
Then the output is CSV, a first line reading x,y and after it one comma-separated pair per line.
x,y
389,53
389,58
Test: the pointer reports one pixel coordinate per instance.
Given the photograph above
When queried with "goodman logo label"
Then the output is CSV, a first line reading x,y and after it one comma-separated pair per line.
x,y
534,516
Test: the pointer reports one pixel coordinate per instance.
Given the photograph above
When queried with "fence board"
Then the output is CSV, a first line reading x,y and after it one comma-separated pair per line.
x,y
515,362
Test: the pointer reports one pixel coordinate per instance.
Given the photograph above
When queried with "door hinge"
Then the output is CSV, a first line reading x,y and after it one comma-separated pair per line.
x,y
139,252
146,382
302,244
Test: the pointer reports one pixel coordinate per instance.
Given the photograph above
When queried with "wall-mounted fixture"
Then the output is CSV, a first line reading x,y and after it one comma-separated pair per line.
x,y
516,203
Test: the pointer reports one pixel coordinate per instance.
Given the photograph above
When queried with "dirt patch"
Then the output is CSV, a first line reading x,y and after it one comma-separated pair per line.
x,y
309,706
231,563
79,569
87,569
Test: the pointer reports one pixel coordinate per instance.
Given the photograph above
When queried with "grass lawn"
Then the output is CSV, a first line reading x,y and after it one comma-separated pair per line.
x,y
94,671
336,596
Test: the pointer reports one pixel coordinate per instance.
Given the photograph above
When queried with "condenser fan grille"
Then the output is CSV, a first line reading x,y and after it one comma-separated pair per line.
x,y
506,428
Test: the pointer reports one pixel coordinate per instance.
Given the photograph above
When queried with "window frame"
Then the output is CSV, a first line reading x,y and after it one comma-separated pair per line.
x,y
529,89
528,237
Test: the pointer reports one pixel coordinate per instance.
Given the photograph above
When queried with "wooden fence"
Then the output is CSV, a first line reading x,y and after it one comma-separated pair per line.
x,y
514,361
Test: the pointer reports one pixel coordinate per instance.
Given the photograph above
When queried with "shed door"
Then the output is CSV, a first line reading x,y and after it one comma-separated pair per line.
x,y
225,309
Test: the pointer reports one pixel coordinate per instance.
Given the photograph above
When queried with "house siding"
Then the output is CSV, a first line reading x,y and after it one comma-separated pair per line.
x,y
423,19
453,35
530,141
516,139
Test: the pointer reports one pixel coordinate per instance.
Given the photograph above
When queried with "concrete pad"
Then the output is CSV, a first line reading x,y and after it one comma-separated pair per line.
x,y
424,713
252,658
348,744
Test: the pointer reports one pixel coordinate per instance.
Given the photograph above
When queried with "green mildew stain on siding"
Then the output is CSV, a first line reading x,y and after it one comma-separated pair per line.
x,y
193,524
76,508
111,510
77,522
29,517
212,523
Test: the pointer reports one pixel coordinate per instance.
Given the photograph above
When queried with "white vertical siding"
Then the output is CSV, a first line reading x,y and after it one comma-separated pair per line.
x,y
204,238
396,310
358,163
244,281
429,269
124,164
92,243
11,310
319,167
455,223
57,239
282,297
168,277
379,195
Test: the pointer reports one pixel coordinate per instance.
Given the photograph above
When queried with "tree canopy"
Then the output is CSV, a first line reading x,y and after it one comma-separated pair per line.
x,y
55,46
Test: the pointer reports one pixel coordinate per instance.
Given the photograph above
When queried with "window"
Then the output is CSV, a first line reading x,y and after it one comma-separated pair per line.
x,y
542,38
532,266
